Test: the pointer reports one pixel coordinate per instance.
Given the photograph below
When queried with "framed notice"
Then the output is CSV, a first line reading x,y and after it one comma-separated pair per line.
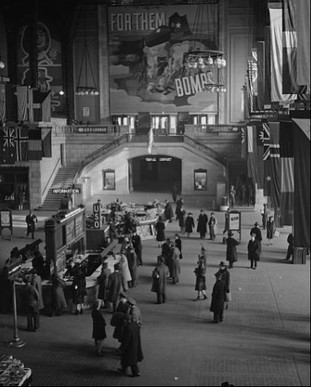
x,y
109,179
6,218
235,221
70,232
200,180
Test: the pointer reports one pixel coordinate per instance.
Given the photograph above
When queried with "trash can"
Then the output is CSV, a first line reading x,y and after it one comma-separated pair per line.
x,y
224,203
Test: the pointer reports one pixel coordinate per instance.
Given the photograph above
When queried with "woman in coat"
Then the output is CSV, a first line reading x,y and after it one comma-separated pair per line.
x,y
99,328
218,299
231,254
178,244
253,249
189,224
159,276
124,270
212,223
182,220
102,281
175,265
270,229
202,224
202,258
200,282
168,211
160,227
58,297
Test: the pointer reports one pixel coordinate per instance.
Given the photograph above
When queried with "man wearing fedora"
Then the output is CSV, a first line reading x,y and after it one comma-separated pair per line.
x,y
256,230
231,254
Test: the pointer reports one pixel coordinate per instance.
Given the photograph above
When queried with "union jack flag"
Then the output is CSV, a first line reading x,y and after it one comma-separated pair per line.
x,y
271,149
7,141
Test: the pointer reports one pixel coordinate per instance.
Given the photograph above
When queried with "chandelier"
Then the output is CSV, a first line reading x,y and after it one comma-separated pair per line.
x,y
210,63
86,68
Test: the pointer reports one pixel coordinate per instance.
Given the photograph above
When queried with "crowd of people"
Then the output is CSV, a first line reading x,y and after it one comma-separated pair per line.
x,y
113,285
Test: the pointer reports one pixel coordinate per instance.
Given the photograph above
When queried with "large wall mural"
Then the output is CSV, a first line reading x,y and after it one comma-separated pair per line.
x,y
49,63
146,51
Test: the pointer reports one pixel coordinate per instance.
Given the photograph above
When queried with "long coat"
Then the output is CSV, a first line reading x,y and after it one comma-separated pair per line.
x,y
58,296
256,230
189,224
160,227
178,244
159,284
231,254
182,218
99,325
175,264
38,285
118,319
270,229
202,224
225,277
218,297
131,345
125,271
200,282
133,263
114,286
253,250
168,211
102,281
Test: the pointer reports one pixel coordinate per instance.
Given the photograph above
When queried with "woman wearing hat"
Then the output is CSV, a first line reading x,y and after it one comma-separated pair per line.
x,y
189,224
231,254
256,230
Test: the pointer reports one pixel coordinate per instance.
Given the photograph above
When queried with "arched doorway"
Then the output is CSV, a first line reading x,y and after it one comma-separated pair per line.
x,y
155,173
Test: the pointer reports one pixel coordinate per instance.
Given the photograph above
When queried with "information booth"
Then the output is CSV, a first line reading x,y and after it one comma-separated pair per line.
x,y
64,236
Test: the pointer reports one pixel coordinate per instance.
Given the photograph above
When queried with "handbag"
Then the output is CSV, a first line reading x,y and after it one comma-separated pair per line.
x,y
228,297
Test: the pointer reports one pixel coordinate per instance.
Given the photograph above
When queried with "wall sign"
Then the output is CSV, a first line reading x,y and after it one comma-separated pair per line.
x,y
200,180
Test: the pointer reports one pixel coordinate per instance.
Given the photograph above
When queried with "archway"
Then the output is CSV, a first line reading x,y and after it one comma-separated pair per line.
x,y
154,173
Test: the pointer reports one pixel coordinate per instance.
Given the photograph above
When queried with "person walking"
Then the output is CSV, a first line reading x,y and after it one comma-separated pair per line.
x,y
102,281
200,282
182,220
256,230
232,194
253,248
59,302
270,230
290,248
178,244
78,289
159,276
99,328
202,258
131,350
231,253
119,317
174,193
31,220
124,269
179,204
175,264
264,216
115,281
168,211
202,224
37,281
138,247
226,228
218,299
134,311
189,224
160,227
133,264
212,223
31,297
225,276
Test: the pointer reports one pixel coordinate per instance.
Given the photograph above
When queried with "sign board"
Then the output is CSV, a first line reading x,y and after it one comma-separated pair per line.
x,y
97,215
235,221
66,190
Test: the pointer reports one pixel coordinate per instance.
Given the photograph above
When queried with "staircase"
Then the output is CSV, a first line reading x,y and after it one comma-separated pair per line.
x,y
63,179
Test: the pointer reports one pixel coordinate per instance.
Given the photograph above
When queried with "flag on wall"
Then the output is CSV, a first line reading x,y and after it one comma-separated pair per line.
x,y
46,136
243,143
303,43
276,65
21,143
302,222
264,137
35,144
7,144
150,141
22,103
254,156
39,105
274,165
287,171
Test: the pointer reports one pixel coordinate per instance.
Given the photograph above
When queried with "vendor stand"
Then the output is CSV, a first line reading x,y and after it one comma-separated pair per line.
x,y
13,372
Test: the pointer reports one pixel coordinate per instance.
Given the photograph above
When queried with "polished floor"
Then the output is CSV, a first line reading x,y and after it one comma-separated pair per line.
x,y
264,339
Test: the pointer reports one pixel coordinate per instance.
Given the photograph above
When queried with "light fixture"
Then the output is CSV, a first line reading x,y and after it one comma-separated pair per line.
x,y
2,65
86,67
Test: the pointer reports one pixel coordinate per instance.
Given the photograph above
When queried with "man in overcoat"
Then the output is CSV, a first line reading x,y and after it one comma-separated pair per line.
x,y
231,254
159,276
218,299
202,224
256,230
114,286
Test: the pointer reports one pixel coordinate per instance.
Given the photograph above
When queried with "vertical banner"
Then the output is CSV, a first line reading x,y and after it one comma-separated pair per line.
x,y
97,215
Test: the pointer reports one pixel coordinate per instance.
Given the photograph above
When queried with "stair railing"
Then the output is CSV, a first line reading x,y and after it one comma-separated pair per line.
x,y
48,184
